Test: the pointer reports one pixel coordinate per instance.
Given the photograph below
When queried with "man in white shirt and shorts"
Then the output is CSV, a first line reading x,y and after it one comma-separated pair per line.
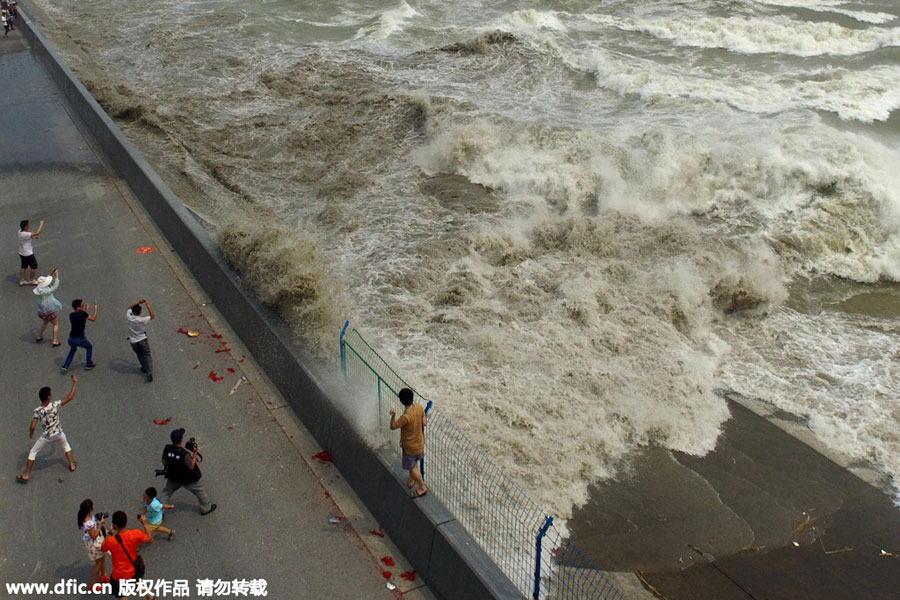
x,y
26,252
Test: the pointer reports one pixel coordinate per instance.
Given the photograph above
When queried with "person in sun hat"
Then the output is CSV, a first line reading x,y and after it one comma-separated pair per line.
x,y
47,305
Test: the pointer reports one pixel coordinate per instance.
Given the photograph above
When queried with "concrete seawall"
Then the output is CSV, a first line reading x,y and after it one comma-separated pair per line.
x,y
438,547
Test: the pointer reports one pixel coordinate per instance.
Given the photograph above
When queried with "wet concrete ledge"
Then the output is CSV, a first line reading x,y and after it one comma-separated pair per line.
x,y
438,547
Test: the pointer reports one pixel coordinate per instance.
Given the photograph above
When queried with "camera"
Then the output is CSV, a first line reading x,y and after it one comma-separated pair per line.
x,y
101,516
190,444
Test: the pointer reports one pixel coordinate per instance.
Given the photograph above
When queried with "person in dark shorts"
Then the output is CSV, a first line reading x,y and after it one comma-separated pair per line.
x,y
412,439
26,251
77,337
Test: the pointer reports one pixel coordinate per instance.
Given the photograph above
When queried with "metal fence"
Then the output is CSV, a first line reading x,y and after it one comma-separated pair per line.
x,y
520,537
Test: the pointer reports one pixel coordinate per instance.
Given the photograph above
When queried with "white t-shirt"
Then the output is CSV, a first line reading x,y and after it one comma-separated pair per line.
x,y
137,326
25,247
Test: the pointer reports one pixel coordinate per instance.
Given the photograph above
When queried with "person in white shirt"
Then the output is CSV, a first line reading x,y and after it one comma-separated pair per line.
x,y
48,415
26,252
137,335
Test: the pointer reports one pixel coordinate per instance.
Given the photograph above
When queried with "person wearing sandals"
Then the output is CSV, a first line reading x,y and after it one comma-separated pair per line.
x,y
412,439
153,508
93,534
48,414
47,305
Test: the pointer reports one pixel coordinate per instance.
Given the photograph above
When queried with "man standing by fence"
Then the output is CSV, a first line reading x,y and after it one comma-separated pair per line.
x,y
412,439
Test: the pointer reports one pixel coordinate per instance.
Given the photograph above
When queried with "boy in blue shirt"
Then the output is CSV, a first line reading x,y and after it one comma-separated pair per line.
x,y
153,508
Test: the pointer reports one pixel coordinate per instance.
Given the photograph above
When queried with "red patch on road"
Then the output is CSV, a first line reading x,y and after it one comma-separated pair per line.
x,y
230,370
386,574
388,561
323,456
408,576
223,350
145,250
218,336
214,377
162,421
379,532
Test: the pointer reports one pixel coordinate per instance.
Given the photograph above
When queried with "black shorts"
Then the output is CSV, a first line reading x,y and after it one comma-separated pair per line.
x,y
28,262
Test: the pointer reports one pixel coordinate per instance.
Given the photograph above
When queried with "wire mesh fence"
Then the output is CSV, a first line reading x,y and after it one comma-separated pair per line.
x,y
520,537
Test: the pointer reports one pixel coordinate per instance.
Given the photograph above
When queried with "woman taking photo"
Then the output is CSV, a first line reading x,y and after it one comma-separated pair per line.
x,y
92,532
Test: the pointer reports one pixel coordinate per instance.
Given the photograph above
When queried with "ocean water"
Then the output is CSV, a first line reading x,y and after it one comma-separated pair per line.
x,y
567,222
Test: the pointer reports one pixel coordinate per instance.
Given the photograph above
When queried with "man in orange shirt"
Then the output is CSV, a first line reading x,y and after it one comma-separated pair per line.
x,y
123,544
412,439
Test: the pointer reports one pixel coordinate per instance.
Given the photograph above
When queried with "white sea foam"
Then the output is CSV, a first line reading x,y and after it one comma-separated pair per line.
x,y
840,373
530,20
866,96
388,22
759,36
832,6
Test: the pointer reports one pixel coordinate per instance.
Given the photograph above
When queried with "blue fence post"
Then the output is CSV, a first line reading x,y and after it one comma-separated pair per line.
x,y
422,462
343,357
537,557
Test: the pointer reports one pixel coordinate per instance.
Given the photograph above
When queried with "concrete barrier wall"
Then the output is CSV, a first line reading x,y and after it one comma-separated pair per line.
x,y
438,547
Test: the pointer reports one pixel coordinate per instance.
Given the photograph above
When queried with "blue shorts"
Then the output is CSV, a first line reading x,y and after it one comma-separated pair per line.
x,y
410,460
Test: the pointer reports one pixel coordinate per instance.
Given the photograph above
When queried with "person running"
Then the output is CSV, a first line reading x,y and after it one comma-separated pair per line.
x,y
47,305
92,532
77,337
26,248
137,335
153,508
48,414
412,439
182,470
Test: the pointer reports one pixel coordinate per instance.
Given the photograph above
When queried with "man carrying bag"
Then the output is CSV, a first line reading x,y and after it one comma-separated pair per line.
x,y
181,469
123,545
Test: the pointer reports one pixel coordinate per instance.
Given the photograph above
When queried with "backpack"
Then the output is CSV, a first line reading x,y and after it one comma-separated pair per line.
x,y
173,456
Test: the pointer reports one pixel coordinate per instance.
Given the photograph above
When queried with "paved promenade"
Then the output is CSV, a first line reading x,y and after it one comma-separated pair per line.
x,y
274,501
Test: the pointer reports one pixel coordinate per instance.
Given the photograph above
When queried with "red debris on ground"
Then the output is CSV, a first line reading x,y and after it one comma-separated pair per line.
x,y
182,330
386,574
323,456
231,427
162,421
388,561
223,350
240,361
230,370
408,576
214,377
197,365
379,532
327,495
218,336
